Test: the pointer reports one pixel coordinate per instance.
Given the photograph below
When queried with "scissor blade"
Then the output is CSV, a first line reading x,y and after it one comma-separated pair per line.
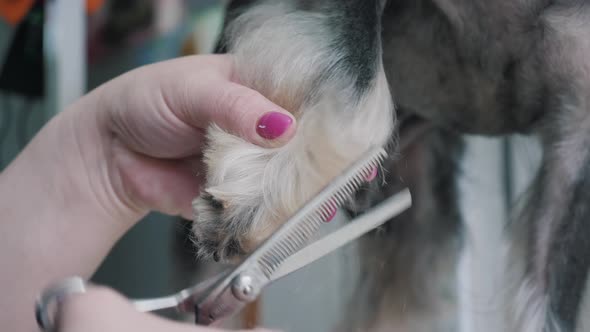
x,y
156,304
372,219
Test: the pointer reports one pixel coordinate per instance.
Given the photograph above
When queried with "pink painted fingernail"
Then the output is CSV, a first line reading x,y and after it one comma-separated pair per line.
x,y
332,211
332,215
373,175
273,124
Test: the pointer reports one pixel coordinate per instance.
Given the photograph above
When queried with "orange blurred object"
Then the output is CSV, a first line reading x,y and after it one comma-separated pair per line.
x,y
251,315
92,6
13,11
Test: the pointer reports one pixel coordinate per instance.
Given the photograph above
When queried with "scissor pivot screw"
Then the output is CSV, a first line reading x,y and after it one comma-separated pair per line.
x,y
244,289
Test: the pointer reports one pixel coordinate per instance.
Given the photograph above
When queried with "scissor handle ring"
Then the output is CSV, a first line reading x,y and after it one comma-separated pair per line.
x,y
47,305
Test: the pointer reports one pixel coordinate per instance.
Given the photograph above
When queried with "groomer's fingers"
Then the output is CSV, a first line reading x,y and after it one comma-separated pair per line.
x,y
163,110
250,115
240,111
213,95
167,186
104,310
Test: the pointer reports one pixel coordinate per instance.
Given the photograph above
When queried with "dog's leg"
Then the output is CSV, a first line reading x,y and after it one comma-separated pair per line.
x,y
552,239
321,60
551,249
409,267
554,236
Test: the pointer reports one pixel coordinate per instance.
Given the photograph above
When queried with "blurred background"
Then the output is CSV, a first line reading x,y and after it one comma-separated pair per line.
x,y
52,52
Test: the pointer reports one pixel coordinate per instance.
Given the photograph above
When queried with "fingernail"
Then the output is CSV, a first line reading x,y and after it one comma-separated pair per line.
x,y
373,175
332,213
274,124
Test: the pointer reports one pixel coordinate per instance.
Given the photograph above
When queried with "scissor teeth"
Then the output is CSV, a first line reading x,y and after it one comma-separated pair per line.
x,y
336,194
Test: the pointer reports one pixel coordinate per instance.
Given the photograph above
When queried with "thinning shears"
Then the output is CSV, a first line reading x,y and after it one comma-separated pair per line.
x,y
284,252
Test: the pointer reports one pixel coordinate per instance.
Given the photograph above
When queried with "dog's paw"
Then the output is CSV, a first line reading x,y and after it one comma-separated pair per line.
x,y
223,238
214,237
342,108
233,214
250,191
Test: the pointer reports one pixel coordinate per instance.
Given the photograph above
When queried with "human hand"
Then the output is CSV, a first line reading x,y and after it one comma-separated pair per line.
x,y
152,123
103,310
128,147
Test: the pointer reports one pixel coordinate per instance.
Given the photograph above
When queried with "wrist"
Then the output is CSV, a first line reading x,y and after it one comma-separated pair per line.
x,y
67,177
92,150
60,216
66,172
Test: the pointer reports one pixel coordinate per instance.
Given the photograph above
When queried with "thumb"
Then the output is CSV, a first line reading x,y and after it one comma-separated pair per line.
x,y
235,108
209,95
248,114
